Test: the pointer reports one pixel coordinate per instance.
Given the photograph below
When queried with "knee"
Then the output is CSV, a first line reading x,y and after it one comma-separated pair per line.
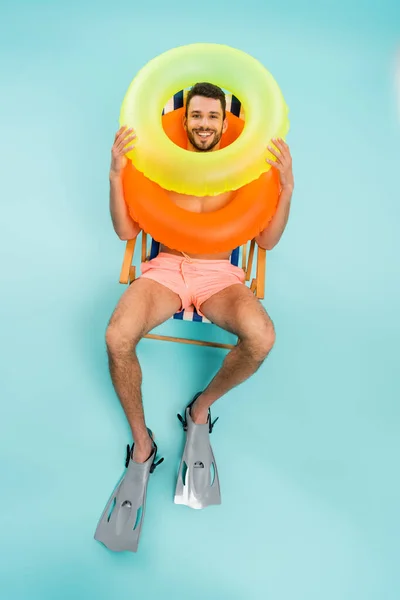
x,y
261,339
118,340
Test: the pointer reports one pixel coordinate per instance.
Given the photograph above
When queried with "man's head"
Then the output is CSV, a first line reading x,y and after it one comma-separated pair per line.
x,y
205,117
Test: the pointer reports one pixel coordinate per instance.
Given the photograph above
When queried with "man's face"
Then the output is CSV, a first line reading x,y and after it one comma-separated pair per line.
x,y
204,124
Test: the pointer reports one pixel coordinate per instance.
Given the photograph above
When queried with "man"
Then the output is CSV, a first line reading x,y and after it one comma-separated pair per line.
x,y
210,282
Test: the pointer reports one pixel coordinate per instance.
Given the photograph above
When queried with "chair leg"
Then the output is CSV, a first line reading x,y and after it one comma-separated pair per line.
x,y
127,261
132,274
260,276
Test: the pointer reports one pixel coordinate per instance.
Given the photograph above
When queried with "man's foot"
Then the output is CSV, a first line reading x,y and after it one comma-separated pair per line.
x,y
198,413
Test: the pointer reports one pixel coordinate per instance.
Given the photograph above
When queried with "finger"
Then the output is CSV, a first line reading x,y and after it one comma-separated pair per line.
x,y
284,149
123,135
279,141
274,152
124,141
119,148
128,149
120,131
285,157
280,144
273,163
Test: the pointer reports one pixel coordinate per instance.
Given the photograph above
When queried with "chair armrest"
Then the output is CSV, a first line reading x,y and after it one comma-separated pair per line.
x,y
250,260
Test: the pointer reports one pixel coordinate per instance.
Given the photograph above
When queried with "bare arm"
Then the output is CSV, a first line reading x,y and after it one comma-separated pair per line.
x,y
271,235
125,227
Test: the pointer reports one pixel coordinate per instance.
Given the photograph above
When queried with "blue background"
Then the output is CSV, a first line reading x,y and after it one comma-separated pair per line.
x,y
308,449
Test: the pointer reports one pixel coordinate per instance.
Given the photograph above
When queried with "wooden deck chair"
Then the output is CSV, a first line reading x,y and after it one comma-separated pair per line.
x,y
245,254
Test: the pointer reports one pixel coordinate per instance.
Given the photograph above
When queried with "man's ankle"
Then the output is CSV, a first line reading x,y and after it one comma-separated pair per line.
x,y
199,413
142,449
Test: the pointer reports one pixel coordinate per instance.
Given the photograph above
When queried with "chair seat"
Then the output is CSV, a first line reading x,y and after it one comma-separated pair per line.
x,y
190,314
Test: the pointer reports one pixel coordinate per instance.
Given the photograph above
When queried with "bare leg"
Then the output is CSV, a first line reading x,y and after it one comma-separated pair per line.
x,y
143,306
237,310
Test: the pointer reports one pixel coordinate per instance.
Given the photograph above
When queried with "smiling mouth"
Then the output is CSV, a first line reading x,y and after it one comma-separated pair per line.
x,y
204,135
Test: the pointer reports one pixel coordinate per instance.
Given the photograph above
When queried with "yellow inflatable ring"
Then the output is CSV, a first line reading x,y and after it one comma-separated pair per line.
x,y
203,173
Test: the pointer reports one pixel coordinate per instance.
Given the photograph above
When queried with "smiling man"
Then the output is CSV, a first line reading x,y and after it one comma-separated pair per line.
x,y
169,283
205,117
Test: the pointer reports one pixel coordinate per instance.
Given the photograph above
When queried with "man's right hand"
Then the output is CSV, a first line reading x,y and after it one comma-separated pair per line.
x,y
120,147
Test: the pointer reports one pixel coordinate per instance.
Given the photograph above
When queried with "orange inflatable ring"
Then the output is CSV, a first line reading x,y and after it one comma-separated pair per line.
x,y
243,218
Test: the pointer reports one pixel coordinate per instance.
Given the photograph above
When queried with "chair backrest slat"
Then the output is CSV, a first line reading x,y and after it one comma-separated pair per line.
x,y
235,257
155,249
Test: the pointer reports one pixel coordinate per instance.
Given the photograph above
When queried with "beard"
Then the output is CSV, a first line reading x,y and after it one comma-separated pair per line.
x,y
207,144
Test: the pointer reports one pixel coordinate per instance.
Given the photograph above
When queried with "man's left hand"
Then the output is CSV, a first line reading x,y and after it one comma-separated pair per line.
x,y
283,162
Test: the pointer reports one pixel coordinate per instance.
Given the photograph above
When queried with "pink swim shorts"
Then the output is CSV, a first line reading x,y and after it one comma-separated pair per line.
x,y
194,280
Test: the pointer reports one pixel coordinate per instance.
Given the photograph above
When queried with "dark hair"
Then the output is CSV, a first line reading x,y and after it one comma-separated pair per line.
x,y
207,90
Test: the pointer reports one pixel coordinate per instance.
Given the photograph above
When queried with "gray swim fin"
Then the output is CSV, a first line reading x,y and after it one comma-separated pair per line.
x,y
120,525
198,483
